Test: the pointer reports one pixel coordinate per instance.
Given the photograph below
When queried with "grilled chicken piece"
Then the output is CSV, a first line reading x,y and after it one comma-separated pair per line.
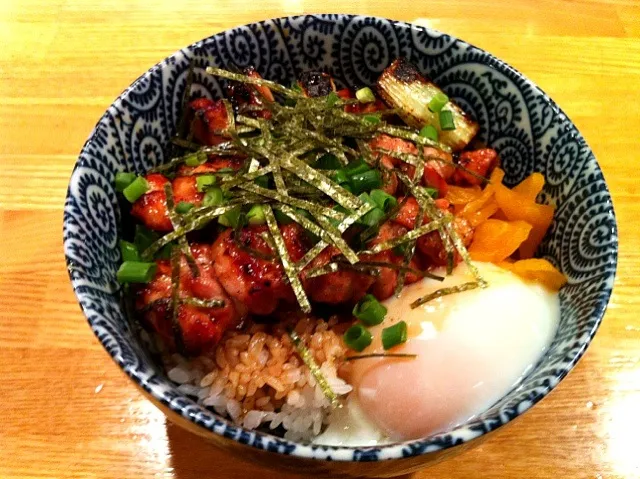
x,y
315,84
344,286
201,328
481,162
256,285
403,87
209,120
151,208
250,99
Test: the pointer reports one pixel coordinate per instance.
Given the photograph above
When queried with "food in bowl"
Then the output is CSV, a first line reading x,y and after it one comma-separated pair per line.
x,y
336,266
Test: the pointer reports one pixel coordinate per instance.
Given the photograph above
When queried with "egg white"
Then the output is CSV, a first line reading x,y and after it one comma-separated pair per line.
x,y
472,348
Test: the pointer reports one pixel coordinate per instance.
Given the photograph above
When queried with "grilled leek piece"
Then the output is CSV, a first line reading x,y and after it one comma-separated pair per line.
x,y
402,87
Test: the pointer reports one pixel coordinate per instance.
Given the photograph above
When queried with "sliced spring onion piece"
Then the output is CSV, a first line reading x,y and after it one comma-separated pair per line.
x,y
439,100
129,251
429,132
123,180
381,355
144,237
231,218
446,120
287,265
195,159
365,95
213,197
183,207
307,359
355,167
372,218
366,181
332,99
383,200
373,119
136,189
369,311
394,335
328,162
136,272
357,337
255,216
205,181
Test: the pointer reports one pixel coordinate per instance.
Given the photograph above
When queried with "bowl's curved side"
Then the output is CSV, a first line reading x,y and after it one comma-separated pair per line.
x,y
517,118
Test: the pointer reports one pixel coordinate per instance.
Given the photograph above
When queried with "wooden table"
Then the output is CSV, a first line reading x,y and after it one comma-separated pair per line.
x,y
66,410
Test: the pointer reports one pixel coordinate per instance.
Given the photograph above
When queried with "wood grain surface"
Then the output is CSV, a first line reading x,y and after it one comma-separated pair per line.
x,y
67,411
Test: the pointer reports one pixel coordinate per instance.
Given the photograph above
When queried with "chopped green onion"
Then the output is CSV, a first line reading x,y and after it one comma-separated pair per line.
x,y
281,218
136,189
231,218
183,207
365,181
446,120
123,180
373,119
365,95
438,101
328,162
262,181
129,251
195,159
372,218
369,311
400,250
430,132
427,190
383,200
340,177
165,252
136,272
394,335
332,99
357,337
144,237
255,216
296,87
355,167
205,181
213,197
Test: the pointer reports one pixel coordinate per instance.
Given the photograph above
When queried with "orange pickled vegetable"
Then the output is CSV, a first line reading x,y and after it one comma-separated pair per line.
x,y
517,206
531,186
459,195
537,270
483,214
487,194
496,240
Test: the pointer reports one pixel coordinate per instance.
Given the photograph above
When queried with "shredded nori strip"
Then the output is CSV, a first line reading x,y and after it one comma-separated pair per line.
x,y
288,92
203,303
445,291
408,253
175,300
192,224
314,369
411,235
176,221
287,264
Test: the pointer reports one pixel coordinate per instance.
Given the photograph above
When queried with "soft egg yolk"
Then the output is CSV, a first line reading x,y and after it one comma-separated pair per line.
x,y
471,348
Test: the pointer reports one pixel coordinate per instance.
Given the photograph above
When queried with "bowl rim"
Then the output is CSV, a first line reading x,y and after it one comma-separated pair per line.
x,y
396,450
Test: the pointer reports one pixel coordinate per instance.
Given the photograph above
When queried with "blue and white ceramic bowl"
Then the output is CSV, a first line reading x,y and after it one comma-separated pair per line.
x,y
526,127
